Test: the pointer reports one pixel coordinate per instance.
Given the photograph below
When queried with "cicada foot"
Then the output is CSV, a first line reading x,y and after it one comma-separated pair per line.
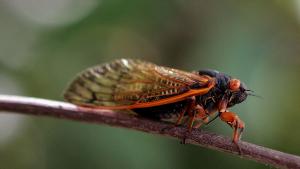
x,y
183,140
198,115
236,123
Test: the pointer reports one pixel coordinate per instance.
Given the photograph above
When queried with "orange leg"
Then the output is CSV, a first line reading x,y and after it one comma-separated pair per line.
x,y
188,109
202,116
191,120
178,122
191,114
195,113
190,106
198,114
235,122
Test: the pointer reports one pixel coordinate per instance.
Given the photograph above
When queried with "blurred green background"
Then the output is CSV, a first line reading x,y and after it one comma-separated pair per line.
x,y
45,43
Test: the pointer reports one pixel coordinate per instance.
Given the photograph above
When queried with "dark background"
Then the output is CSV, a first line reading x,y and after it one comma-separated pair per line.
x,y
45,43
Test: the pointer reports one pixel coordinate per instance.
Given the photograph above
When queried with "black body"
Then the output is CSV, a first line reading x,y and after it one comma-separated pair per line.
x,y
209,101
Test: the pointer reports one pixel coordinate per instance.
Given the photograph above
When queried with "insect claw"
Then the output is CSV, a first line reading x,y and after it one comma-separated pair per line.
x,y
183,141
238,147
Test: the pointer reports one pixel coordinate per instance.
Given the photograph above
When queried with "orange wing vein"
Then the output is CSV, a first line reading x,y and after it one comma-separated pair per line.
x,y
130,84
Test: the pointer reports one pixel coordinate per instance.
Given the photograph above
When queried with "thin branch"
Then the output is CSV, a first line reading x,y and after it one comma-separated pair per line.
x,y
42,107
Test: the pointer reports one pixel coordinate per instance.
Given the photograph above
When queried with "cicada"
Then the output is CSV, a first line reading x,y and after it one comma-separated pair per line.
x,y
160,93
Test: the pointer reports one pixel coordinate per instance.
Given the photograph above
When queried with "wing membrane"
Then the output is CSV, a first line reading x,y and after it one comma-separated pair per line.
x,y
127,83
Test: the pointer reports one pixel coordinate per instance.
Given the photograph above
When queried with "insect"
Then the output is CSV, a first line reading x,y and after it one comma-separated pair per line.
x,y
160,93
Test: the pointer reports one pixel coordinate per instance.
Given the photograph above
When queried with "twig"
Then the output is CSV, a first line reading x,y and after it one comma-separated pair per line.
x,y
42,107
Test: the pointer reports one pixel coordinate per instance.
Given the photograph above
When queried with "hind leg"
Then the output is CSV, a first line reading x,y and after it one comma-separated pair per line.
x,y
190,106
190,110
191,101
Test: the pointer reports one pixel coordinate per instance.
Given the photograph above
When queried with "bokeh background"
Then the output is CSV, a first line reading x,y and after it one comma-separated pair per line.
x,y
45,43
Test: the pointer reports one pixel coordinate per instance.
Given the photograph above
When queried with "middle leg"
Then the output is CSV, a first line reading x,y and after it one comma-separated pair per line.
x,y
201,116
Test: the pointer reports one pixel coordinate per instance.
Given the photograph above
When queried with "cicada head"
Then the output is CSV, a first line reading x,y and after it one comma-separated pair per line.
x,y
232,89
237,93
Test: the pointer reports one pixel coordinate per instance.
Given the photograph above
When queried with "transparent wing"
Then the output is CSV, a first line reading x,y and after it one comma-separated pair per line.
x,y
126,82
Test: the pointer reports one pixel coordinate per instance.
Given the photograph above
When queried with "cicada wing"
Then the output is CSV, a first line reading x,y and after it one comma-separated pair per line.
x,y
128,83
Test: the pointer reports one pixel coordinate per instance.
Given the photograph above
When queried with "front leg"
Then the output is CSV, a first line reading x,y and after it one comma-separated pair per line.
x,y
231,118
235,122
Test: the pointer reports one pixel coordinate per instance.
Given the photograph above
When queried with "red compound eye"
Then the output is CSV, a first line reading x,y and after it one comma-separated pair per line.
x,y
234,84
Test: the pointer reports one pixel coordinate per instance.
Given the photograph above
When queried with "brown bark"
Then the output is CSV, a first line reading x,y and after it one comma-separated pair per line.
x,y
42,107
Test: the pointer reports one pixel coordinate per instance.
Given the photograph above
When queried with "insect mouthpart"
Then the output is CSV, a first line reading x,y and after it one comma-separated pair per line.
x,y
251,93
237,97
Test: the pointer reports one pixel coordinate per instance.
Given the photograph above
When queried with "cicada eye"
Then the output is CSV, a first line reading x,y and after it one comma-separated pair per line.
x,y
234,84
